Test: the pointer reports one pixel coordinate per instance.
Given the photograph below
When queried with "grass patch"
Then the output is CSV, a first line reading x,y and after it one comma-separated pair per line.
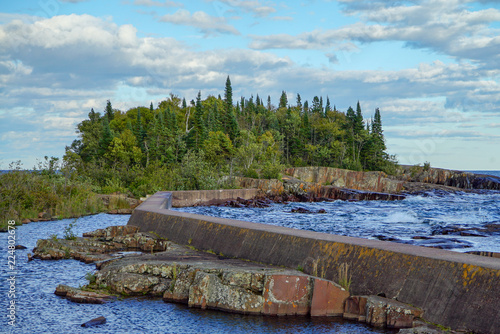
x,y
344,276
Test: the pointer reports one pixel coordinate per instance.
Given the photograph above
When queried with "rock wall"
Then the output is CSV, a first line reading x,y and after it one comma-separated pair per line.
x,y
343,178
210,197
453,289
452,178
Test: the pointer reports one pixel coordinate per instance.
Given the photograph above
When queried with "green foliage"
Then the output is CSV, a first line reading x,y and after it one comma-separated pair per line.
x,y
344,277
89,276
23,194
184,145
69,234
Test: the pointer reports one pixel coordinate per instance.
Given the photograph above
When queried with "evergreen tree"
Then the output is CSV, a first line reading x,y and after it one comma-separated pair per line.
x,y
306,107
378,139
269,106
139,132
228,95
106,137
151,106
299,101
358,120
316,105
283,100
109,111
197,135
328,108
230,124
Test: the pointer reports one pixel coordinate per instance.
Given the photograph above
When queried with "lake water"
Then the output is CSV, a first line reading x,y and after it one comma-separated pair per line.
x,y
39,310
459,222
427,216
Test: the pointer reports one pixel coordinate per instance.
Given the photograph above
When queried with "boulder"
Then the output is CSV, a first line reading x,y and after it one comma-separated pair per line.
x,y
328,298
82,296
384,312
208,291
95,322
287,295
355,308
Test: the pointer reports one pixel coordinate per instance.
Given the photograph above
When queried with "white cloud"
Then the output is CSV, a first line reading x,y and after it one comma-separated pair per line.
x,y
447,27
250,6
206,23
66,65
152,3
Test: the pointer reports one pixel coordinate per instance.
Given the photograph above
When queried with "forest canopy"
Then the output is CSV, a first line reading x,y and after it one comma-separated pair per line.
x,y
201,144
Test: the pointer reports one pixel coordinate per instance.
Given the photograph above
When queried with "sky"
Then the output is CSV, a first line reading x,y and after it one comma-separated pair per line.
x,y
431,67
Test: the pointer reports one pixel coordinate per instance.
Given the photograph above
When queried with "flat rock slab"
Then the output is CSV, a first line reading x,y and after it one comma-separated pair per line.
x,y
211,281
82,296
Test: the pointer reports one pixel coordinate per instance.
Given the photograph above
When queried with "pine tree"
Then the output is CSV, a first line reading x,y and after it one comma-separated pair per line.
x,y
299,101
377,132
139,132
269,106
316,105
228,95
106,138
230,123
108,112
283,100
306,107
358,120
198,131
328,108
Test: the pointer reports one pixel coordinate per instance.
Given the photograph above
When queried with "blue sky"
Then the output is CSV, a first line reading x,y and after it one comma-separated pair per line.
x,y
432,67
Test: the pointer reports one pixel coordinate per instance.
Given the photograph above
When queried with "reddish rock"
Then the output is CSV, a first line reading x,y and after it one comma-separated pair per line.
x,y
355,308
328,298
376,314
287,295
25,221
384,312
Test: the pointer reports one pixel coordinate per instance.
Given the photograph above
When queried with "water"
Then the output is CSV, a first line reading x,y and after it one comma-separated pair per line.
x,y
39,310
432,219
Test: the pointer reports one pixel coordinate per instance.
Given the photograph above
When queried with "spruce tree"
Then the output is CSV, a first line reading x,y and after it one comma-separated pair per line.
x,y
299,101
283,100
328,108
106,137
230,123
108,112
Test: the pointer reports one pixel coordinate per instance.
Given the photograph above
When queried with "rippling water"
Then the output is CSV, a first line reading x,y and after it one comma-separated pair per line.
x,y
421,220
40,311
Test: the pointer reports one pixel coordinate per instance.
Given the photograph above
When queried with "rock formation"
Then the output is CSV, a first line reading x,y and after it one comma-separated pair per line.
x,y
210,281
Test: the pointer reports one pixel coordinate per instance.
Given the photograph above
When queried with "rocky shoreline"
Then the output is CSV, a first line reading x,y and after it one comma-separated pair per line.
x,y
130,263
317,184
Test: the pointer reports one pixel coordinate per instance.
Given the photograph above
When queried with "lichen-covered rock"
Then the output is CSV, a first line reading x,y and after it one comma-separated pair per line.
x,y
82,296
179,289
132,284
97,245
384,312
287,295
208,291
112,231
